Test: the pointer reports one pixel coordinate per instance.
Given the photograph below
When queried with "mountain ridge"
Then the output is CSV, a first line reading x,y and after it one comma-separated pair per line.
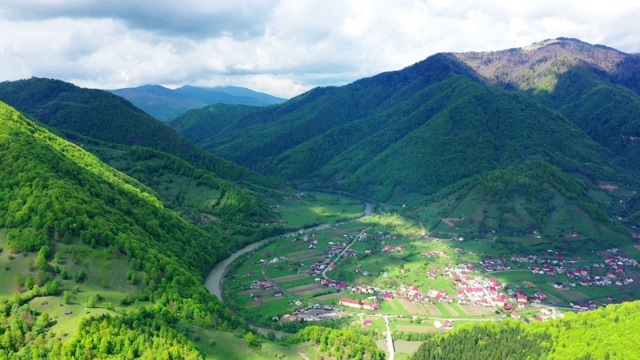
x,y
166,104
107,117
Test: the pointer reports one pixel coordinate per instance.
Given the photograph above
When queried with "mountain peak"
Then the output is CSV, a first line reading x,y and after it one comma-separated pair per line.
x,y
537,66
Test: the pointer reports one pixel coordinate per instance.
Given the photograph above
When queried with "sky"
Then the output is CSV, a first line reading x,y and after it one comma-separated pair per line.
x,y
281,47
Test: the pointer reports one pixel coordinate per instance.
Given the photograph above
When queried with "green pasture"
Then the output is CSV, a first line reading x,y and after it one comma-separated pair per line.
x,y
445,312
461,313
316,208
105,281
298,282
230,346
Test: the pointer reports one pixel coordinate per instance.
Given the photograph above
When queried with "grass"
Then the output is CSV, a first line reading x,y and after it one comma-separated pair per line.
x,y
445,312
461,313
105,279
316,208
229,346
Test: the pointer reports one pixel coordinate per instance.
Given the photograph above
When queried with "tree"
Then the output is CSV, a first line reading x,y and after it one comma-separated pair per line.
x,y
92,301
252,341
19,279
29,282
66,297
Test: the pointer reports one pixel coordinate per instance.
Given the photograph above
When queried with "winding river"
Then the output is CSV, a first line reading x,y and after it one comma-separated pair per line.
x,y
215,277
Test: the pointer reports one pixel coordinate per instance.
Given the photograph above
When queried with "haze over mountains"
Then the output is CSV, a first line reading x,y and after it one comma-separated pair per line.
x,y
166,104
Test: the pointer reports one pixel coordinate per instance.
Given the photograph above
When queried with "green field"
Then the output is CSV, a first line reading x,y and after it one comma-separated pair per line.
x,y
105,281
315,208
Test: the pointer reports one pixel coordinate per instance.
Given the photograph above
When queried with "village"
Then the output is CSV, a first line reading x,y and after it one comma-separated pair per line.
x,y
330,276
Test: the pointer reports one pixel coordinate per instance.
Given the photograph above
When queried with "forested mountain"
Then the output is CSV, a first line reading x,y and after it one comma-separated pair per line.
x,y
404,135
166,104
413,131
83,217
347,133
103,116
596,87
199,124
520,199
56,193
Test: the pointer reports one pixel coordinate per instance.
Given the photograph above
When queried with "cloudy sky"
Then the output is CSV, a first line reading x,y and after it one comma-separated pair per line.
x,y
282,47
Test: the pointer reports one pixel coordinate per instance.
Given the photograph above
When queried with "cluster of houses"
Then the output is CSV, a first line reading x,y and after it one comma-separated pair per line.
x,y
278,259
361,304
317,268
495,265
338,285
613,271
315,312
332,251
434,253
389,248
262,284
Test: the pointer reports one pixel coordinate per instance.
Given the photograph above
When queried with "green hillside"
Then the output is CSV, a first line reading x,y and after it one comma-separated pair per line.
x,y
55,193
534,197
270,132
594,86
96,266
602,334
199,124
103,116
608,113
447,132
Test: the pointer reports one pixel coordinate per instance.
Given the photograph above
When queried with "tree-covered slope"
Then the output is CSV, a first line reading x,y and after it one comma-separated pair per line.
x,y
103,116
595,86
167,104
54,193
199,124
409,133
274,130
521,199
607,333
478,129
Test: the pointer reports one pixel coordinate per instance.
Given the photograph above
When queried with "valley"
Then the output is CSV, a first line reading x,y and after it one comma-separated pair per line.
x,y
386,266
466,206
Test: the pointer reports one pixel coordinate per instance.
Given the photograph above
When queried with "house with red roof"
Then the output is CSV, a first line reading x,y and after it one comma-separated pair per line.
x,y
499,300
447,325
349,303
474,292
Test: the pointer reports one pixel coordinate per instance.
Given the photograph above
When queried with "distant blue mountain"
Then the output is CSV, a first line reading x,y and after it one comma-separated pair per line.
x,y
166,104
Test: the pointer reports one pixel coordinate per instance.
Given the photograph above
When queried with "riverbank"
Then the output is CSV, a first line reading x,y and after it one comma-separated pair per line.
x,y
214,280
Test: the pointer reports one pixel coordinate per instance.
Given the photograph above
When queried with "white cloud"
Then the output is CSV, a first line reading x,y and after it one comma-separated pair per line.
x,y
280,47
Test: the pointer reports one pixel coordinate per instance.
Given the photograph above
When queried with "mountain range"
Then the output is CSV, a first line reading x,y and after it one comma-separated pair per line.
x,y
405,135
541,139
166,104
445,110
